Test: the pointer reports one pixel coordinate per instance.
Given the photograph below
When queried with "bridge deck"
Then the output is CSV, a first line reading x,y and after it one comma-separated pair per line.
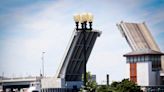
x,y
73,63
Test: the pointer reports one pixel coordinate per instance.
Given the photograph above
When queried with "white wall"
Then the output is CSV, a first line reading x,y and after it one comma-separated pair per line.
x,y
52,82
145,75
162,63
127,71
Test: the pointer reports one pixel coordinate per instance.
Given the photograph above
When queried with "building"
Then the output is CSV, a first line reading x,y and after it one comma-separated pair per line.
x,y
146,64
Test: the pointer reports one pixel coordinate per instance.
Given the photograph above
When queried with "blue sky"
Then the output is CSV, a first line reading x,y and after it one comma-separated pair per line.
x,y
29,27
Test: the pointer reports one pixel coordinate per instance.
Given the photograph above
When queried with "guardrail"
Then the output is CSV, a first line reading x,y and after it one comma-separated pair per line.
x,y
59,90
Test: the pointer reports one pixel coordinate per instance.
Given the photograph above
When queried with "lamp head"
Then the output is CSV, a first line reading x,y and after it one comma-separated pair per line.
x,y
83,17
89,17
77,17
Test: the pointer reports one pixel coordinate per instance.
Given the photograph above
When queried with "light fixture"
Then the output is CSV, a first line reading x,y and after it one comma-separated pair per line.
x,y
83,18
89,17
77,17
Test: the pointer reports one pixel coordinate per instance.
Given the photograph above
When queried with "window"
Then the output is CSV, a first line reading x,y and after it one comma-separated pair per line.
x,y
135,59
159,65
146,58
153,65
156,65
139,58
128,59
159,58
153,58
142,58
131,59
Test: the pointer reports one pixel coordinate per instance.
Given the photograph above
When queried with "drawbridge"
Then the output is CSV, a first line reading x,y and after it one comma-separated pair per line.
x,y
72,66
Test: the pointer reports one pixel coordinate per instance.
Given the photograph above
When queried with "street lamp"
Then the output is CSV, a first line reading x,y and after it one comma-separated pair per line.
x,y
84,19
43,63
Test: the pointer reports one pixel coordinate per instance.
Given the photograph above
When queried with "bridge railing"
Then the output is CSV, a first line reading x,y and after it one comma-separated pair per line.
x,y
59,90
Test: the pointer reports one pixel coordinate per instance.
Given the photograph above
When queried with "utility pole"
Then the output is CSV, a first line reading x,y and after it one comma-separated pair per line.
x,y
2,80
107,78
43,63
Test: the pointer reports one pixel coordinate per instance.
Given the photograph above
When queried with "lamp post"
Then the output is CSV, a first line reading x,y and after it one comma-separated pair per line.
x,y
43,64
84,19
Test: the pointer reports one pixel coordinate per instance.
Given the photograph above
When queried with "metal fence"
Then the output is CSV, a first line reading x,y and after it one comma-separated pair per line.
x,y
58,90
159,88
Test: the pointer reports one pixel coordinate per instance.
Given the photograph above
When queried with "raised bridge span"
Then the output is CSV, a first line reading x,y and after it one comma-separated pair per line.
x,y
72,65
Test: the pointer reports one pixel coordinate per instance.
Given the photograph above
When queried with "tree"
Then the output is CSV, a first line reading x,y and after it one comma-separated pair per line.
x,y
104,88
115,84
91,85
126,86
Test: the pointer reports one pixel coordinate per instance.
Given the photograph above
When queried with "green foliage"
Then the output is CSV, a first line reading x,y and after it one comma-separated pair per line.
x,y
115,84
124,86
127,86
91,85
104,88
